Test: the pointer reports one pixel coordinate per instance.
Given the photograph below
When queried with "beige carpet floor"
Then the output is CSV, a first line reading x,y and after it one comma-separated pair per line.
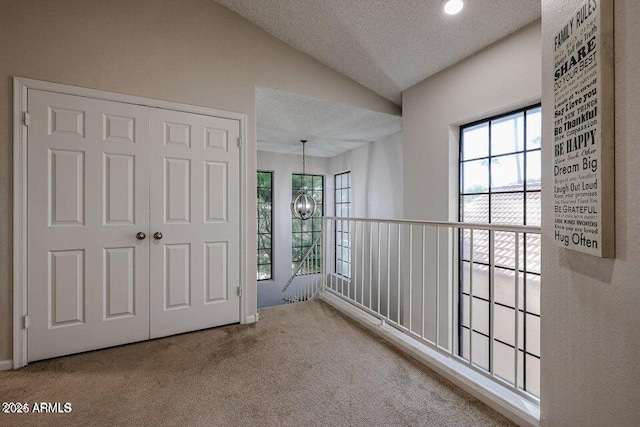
x,y
304,364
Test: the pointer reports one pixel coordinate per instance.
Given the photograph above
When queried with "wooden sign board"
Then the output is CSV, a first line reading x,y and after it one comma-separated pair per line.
x,y
583,162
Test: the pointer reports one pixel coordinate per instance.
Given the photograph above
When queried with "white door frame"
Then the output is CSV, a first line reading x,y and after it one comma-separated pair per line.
x,y
20,107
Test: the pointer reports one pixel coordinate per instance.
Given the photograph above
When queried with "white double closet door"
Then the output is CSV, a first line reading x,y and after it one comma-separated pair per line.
x,y
133,223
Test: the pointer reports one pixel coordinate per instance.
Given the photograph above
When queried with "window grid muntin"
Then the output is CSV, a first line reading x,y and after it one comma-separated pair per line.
x,y
265,213
314,225
525,190
475,331
339,204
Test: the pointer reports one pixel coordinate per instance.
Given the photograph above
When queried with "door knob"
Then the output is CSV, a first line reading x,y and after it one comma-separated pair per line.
x,y
157,235
141,235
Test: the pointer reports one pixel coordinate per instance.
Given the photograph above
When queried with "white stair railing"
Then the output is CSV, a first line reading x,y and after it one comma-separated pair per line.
x,y
306,279
469,291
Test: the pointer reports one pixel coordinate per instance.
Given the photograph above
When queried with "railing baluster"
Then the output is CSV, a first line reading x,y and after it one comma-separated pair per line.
x,y
370,261
332,251
362,279
389,255
424,256
318,283
471,296
410,274
354,259
325,225
379,264
399,268
453,298
517,313
455,292
437,286
524,310
492,295
335,256
338,268
315,272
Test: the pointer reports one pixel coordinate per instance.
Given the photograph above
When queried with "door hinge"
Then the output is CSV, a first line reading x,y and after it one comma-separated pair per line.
x,y
25,321
239,142
239,291
26,118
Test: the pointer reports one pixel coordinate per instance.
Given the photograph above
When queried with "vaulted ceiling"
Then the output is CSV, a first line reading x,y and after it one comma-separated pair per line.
x,y
387,45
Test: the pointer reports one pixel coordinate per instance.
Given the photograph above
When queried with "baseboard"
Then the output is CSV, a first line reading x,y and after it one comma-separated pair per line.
x,y
6,365
252,318
507,403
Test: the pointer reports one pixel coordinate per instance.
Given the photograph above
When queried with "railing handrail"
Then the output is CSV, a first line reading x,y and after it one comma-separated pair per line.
x,y
302,260
467,225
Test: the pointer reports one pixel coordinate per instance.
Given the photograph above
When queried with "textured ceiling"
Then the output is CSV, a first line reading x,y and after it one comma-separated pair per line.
x,y
387,45
286,118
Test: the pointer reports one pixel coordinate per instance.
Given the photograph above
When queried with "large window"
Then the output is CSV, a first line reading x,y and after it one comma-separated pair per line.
x,y
265,225
304,233
343,238
500,183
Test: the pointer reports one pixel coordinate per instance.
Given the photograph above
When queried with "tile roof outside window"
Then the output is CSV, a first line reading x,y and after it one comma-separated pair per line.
x,y
500,183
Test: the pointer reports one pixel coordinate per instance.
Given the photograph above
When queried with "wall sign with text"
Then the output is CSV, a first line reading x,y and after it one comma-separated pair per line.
x,y
583,162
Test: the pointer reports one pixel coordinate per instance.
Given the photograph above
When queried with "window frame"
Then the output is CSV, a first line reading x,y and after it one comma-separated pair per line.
x,y
258,233
339,204
522,269
317,218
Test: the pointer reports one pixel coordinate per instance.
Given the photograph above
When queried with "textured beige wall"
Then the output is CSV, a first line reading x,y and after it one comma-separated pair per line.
x,y
591,306
376,177
502,77
189,51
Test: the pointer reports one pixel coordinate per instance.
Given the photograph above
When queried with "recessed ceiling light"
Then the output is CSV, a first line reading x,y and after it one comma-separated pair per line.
x,y
452,7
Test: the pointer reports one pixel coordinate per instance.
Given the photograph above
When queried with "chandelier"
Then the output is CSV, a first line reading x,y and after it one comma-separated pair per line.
x,y
303,205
